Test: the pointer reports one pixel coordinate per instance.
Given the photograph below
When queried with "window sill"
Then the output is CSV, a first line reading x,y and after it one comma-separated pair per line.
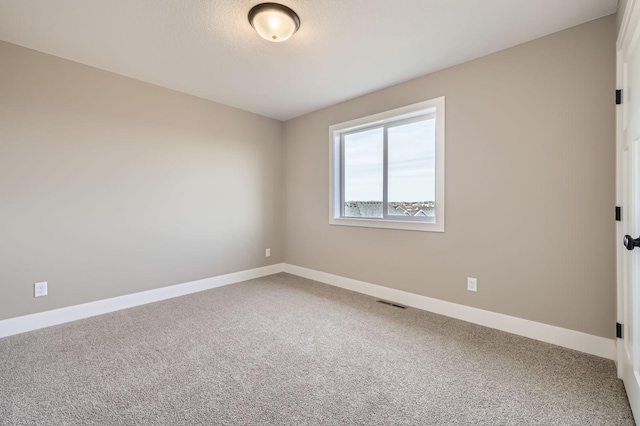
x,y
389,224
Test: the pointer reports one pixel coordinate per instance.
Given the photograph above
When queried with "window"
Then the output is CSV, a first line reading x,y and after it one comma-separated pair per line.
x,y
387,170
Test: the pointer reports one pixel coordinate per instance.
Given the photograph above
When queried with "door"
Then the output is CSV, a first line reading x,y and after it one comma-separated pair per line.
x,y
628,159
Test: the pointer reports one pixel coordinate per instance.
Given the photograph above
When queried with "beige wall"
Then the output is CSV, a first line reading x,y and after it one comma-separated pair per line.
x,y
622,5
110,186
529,186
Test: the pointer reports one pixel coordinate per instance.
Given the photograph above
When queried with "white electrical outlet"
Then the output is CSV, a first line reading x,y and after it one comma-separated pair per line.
x,y
472,284
40,289
267,252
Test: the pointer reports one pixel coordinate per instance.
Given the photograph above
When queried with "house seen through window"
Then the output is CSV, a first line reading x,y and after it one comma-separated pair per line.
x,y
388,169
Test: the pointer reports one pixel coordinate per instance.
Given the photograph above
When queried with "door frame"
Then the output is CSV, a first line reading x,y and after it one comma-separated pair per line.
x,y
620,196
620,231
630,27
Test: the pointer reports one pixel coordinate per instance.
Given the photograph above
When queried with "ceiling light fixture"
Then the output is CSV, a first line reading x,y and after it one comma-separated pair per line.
x,y
273,21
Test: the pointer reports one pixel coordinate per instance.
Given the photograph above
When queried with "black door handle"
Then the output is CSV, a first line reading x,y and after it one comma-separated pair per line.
x,y
630,243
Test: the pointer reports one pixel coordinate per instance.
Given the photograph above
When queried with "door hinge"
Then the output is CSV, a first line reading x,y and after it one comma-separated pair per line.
x,y
618,97
618,213
619,330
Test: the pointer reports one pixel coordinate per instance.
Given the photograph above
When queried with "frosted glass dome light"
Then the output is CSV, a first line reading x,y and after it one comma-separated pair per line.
x,y
274,22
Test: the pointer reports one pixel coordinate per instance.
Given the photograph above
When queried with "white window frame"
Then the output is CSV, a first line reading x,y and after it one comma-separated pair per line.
x,y
434,106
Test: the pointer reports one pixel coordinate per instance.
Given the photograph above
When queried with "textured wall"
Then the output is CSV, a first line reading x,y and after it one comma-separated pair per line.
x,y
530,163
110,186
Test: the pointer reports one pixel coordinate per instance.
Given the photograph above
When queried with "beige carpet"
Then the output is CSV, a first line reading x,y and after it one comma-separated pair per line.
x,y
283,350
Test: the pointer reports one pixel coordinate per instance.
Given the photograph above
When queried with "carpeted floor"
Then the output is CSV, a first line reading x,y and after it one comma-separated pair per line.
x,y
283,350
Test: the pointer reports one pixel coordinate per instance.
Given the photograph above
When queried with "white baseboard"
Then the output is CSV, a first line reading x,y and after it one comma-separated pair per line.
x,y
576,340
26,323
571,339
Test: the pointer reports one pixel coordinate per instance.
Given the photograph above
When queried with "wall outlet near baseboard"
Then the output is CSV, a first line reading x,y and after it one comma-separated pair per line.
x,y
267,252
472,284
40,289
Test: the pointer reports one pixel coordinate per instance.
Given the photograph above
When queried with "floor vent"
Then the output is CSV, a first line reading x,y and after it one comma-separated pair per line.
x,y
395,305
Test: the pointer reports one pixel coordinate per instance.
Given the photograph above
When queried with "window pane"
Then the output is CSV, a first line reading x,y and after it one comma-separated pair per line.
x,y
363,174
412,159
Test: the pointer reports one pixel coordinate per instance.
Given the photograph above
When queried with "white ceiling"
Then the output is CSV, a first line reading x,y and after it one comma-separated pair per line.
x,y
344,48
